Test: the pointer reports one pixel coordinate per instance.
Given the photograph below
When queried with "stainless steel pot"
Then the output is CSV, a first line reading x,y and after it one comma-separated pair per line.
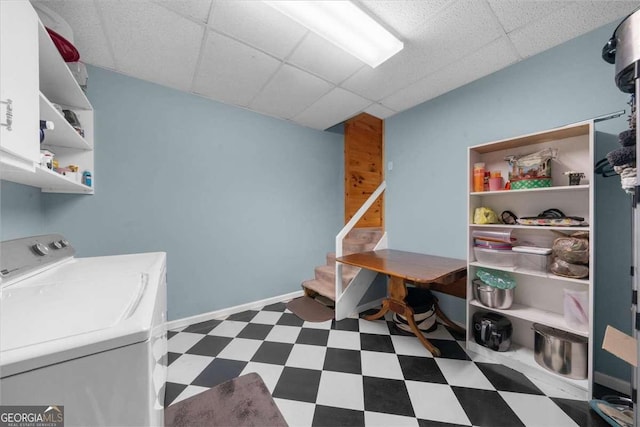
x,y
561,352
623,49
492,297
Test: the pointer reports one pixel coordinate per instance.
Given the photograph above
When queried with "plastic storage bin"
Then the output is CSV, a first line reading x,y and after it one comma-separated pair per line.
x,y
532,258
498,258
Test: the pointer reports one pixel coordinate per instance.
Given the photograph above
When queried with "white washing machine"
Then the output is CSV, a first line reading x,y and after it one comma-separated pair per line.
x,y
85,333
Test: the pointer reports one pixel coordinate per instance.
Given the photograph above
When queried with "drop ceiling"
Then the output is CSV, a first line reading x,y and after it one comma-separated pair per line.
x,y
246,54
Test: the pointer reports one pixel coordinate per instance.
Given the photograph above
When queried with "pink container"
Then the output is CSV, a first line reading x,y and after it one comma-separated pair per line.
x,y
496,184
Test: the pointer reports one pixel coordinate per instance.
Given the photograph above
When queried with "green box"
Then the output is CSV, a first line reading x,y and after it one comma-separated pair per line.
x,y
529,183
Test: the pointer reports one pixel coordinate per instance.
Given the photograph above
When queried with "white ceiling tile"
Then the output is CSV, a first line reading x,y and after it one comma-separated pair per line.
x,y
333,108
513,14
404,16
232,72
399,71
459,30
448,43
484,61
257,24
290,92
88,33
151,42
194,9
379,111
568,23
324,59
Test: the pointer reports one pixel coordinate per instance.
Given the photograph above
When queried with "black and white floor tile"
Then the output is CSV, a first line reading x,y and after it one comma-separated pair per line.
x,y
357,372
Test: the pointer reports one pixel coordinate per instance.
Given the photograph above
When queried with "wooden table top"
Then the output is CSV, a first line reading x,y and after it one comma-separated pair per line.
x,y
414,267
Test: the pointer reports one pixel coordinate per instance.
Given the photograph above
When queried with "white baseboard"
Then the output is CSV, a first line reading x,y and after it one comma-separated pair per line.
x,y
612,382
224,312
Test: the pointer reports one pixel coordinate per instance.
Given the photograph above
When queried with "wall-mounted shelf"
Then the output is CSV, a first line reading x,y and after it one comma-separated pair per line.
x,y
48,180
33,89
56,80
63,134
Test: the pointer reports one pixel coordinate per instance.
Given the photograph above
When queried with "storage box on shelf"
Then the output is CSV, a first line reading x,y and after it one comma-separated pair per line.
x,y
539,295
54,85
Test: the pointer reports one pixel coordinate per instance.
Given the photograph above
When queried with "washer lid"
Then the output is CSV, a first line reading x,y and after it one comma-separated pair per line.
x,y
49,311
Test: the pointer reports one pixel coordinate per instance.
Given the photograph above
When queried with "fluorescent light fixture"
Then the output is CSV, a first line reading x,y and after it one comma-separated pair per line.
x,y
345,25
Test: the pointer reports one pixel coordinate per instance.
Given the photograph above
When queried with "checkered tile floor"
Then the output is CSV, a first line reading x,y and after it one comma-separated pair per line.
x,y
358,372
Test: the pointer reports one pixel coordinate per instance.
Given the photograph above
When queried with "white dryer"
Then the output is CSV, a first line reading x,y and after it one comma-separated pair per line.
x,y
85,333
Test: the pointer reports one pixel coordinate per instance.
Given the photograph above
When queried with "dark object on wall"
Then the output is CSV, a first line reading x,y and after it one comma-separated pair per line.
x,y
604,168
622,156
623,49
627,138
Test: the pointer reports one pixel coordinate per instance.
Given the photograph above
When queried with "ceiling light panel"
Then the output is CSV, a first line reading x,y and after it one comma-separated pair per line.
x,y
346,26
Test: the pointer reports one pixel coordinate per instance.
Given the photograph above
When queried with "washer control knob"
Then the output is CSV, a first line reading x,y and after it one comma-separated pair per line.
x,y
40,249
57,245
64,243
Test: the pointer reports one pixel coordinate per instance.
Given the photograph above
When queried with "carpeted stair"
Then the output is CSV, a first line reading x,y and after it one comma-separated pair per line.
x,y
358,240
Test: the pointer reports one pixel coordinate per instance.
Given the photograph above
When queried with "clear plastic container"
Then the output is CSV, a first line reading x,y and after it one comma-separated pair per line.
x,y
498,258
532,258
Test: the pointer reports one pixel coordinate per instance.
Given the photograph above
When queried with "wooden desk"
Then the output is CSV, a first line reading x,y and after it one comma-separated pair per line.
x,y
446,275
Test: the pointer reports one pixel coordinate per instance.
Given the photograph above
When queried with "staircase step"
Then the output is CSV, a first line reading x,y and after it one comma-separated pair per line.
x,y
358,240
365,234
331,262
353,248
328,274
321,287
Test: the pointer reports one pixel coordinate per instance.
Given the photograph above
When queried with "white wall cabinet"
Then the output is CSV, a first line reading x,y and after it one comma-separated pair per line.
x,y
45,82
19,84
539,295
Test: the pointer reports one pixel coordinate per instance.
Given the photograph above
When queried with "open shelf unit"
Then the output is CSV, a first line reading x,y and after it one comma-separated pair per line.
x,y
48,180
538,296
56,85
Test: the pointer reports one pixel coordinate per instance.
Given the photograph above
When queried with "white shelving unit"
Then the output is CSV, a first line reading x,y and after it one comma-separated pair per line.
x,y
538,296
56,85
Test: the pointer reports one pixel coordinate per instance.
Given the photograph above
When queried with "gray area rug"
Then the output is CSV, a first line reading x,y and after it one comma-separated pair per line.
x,y
310,310
242,401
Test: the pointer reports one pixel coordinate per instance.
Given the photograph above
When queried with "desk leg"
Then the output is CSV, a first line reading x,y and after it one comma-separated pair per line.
x,y
448,321
396,303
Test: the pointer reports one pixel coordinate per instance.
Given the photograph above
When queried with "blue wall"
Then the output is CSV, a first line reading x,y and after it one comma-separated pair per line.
x,y
21,211
244,205
426,207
